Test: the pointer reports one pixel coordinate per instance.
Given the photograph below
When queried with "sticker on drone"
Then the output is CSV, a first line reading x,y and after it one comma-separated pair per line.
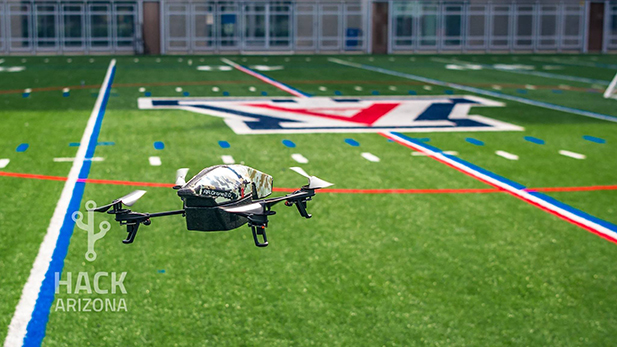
x,y
341,115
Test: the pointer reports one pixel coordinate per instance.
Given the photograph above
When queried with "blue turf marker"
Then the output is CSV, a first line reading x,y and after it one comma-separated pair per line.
x,y
225,93
264,93
22,147
224,144
73,144
25,95
474,141
450,92
535,140
336,92
159,145
104,143
186,93
375,92
412,92
147,94
521,91
594,139
289,143
161,271
66,95
557,91
352,142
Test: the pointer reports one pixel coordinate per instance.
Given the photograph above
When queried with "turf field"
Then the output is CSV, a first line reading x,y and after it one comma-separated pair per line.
x,y
405,250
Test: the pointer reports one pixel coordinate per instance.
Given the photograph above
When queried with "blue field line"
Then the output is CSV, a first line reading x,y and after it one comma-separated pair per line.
x,y
38,323
478,91
474,141
594,139
535,140
517,186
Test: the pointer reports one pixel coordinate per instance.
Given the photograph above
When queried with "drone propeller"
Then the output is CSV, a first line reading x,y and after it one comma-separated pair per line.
x,y
314,182
181,176
127,200
255,208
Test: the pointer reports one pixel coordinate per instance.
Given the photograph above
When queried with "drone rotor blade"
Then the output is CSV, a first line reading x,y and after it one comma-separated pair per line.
x,y
181,176
103,208
314,182
131,198
254,208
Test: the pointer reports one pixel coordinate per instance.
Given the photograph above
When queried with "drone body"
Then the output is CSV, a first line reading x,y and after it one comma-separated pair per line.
x,y
218,198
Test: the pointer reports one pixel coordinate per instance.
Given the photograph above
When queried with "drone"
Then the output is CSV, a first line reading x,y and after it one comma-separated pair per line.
x,y
219,198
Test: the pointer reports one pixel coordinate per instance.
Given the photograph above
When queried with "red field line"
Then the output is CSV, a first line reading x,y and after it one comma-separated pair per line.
x,y
326,190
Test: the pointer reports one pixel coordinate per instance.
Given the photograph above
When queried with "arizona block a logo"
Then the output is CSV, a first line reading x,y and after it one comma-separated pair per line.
x,y
341,115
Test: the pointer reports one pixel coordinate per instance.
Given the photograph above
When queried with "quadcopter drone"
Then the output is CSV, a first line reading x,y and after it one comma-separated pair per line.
x,y
221,197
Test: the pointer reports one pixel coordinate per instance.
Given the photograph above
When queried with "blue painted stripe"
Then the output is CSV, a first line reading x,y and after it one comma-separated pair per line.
x,y
352,142
22,147
518,186
224,144
159,145
474,141
38,323
289,143
594,139
481,91
534,140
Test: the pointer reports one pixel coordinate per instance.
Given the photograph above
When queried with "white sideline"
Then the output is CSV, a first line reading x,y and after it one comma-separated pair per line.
x,y
25,306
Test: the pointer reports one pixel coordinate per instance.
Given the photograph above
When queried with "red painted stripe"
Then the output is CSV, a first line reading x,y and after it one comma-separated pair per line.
x,y
326,190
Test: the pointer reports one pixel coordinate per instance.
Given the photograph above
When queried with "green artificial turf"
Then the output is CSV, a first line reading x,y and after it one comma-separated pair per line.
x,y
367,269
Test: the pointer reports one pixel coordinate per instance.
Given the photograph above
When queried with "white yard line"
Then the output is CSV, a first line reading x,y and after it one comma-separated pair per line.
x,y
507,155
30,293
370,157
155,161
228,159
299,158
572,154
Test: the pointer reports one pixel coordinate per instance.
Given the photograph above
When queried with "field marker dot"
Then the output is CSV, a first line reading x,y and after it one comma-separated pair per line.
x,y
202,60
22,147
393,88
178,89
224,144
155,161
375,92
179,60
412,92
215,89
391,59
496,87
28,90
45,61
557,91
225,93
336,92
136,60
564,86
142,89
308,59
572,154
186,94
299,158
159,145
370,157
323,89
190,62
69,60
530,87
352,142
228,159
147,94
594,139
371,59
412,59
264,93
158,60
287,59
23,60
507,155
289,143
427,88
358,88
252,89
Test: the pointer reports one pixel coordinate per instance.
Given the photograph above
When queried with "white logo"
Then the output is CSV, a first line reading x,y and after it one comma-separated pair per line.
x,y
104,227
